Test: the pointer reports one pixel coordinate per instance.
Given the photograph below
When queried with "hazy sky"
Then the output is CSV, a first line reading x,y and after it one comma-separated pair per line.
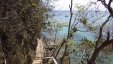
x,y
64,4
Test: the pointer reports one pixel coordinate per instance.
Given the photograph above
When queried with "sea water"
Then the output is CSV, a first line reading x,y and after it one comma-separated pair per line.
x,y
64,16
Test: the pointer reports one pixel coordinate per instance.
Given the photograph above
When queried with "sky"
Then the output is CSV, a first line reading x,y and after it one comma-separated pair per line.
x,y
64,4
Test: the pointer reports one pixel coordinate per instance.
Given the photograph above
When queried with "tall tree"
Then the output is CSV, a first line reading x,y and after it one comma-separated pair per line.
x,y
108,41
20,26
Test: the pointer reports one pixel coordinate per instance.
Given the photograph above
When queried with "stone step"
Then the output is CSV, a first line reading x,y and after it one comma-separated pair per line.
x,y
37,62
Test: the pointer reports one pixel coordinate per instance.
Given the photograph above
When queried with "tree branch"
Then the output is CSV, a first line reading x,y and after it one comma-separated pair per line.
x,y
96,52
100,33
108,6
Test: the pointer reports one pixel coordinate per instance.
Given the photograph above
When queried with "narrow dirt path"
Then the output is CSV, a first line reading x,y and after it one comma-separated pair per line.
x,y
39,53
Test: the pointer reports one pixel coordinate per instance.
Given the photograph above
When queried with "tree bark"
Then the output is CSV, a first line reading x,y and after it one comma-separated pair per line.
x,y
96,51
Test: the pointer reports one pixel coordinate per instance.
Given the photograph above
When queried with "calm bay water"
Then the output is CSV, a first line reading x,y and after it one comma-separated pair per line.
x,y
64,16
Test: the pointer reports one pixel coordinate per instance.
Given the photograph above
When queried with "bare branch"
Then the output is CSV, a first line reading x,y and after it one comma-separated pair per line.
x,y
107,6
100,33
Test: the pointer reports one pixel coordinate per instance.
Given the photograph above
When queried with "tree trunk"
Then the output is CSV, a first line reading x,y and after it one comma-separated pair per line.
x,y
97,50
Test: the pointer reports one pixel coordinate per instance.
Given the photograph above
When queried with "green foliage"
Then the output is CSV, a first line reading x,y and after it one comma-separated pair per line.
x,y
81,15
22,27
83,21
74,29
90,27
80,8
54,25
72,45
71,42
85,41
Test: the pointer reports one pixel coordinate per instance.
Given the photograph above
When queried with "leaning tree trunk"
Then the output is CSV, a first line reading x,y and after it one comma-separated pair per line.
x,y
96,51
